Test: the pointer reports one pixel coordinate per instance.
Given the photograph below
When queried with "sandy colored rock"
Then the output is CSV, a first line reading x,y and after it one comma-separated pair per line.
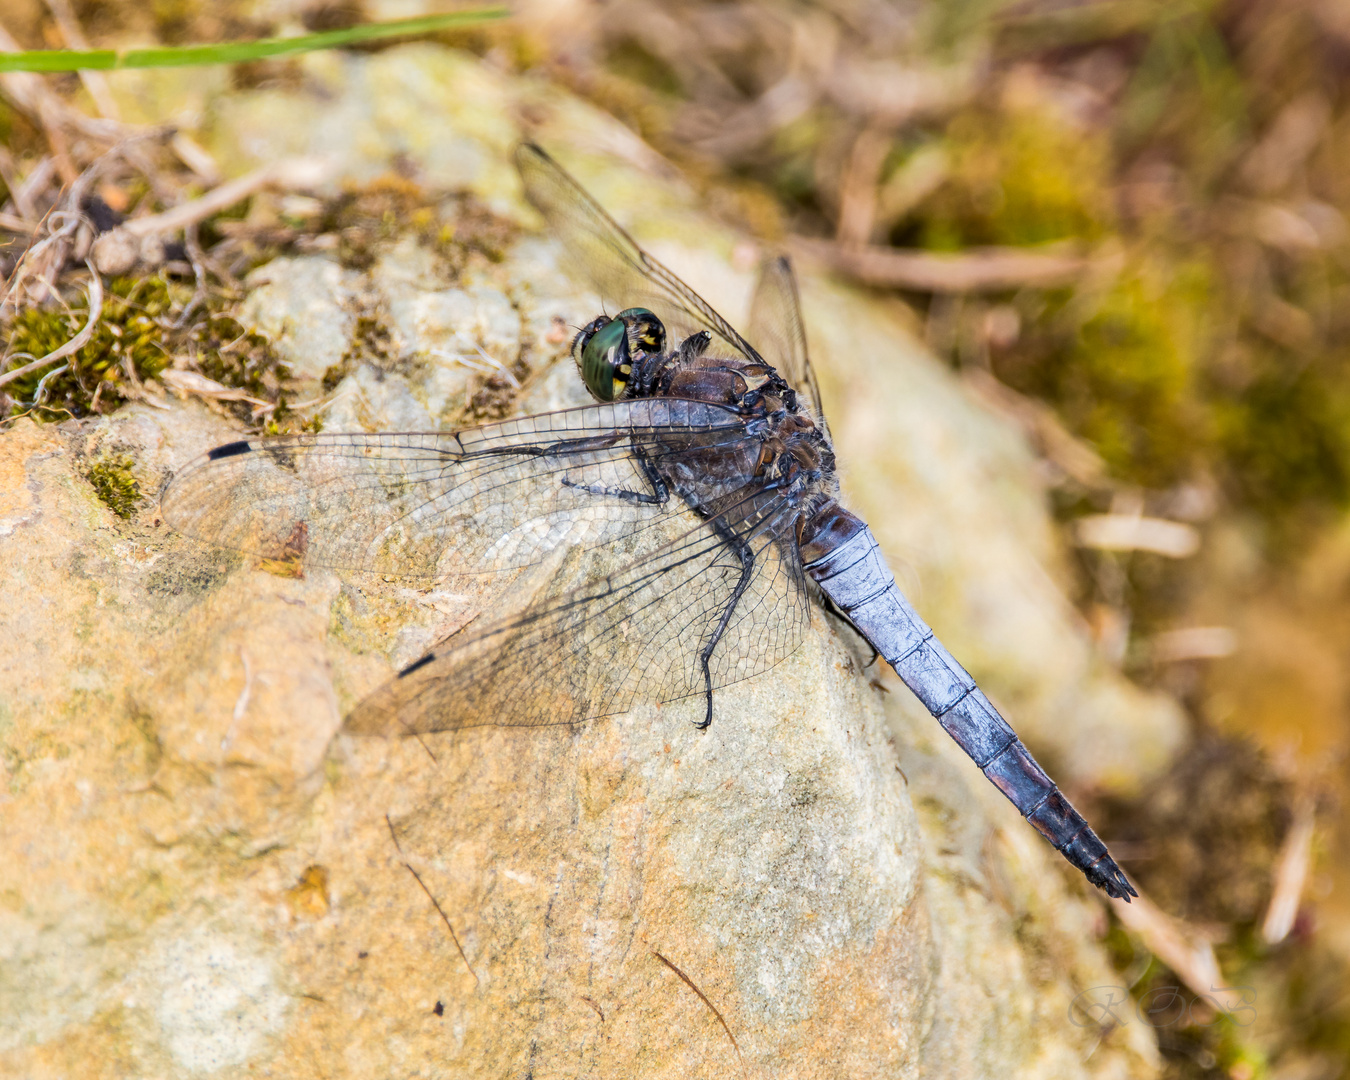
x,y
306,306
204,878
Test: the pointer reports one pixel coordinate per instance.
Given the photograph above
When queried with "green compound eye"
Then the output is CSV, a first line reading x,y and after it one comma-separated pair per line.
x,y
644,329
605,347
604,360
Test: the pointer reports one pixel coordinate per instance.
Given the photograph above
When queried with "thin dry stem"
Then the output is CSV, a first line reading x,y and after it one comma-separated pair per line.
x,y
434,903
592,1003
1177,945
704,998
198,210
991,269
16,224
31,96
76,343
1291,873
94,81
858,191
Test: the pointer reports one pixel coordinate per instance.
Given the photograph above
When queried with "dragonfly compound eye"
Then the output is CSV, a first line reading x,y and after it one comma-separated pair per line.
x,y
645,330
601,353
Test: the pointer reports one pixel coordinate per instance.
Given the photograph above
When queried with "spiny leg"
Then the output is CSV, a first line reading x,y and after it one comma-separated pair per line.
x,y
658,496
747,558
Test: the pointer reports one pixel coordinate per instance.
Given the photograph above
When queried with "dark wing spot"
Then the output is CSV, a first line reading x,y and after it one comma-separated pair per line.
x,y
417,664
229,450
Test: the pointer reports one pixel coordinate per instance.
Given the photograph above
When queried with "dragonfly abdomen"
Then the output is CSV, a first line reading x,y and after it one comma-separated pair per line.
x,y
845,561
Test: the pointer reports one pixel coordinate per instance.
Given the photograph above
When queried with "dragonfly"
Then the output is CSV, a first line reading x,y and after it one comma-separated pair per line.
x,y
685,522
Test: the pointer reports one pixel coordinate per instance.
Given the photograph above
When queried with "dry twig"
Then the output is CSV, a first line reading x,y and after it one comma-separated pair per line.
x,y
1059,445
117,250
858,190
31,96
439,910
1172,942
704,998
1291,873
184,383
1134,532
16,224
76,343
990,269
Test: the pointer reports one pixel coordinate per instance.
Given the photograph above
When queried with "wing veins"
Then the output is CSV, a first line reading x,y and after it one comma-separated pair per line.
x,y
608,601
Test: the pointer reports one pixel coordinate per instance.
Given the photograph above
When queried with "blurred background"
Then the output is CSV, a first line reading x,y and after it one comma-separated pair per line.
x,y
1124,224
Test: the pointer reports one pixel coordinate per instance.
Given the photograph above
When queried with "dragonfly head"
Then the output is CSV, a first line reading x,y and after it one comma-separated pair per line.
x,y
606,349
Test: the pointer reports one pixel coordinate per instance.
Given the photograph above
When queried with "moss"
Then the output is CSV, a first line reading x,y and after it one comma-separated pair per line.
x,y
363,217
476,231
1018,177
1196,1042
458,228
138,331
20,136
371,342
639,107
193,576
115,485
212,234
240,358
1121,368
629,60
1287,440
128,341
496,398
1186,93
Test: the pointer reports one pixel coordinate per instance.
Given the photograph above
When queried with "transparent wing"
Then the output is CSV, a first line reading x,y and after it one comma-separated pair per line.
x,y
469,502
621,272
635,633
776,323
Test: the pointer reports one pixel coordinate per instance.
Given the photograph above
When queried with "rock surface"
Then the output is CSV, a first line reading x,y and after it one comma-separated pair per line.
x,y
204,878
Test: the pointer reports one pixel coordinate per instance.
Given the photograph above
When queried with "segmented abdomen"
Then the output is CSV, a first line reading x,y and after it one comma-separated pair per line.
x,y
855,577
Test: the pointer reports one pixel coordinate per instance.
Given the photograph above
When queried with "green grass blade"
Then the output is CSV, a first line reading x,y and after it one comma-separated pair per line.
x,y
235,52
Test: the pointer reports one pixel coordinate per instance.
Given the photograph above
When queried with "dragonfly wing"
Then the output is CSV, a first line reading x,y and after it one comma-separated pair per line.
x,y
620,270
776,323
432,504
634,634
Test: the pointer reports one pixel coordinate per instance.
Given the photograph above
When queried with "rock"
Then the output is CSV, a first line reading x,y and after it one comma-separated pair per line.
x,y
119,250
116,251
204,878
306,305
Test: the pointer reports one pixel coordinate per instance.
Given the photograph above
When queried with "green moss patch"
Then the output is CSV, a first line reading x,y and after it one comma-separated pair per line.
x,y
127,347
115,485
1019,177
457,227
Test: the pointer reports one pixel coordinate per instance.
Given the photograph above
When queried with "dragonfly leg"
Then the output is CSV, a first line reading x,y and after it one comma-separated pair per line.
x,y
694,346
644,497
747,557
658,496
834,609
